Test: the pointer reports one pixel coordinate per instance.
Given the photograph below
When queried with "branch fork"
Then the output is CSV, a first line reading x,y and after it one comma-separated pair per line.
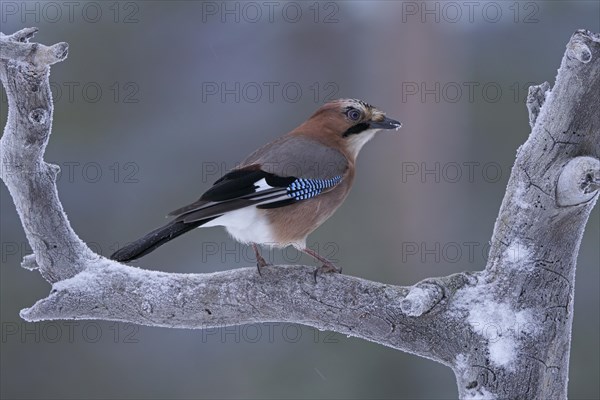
x,y
527,297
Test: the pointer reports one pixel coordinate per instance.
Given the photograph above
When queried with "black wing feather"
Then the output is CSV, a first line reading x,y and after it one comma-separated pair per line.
x,y
233,185
235,190
277,204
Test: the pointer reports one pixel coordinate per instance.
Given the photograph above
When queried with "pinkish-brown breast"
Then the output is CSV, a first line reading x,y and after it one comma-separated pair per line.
x,y
293,223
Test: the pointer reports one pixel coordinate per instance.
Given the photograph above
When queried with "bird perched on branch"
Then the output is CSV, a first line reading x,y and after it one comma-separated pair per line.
x,y
285,189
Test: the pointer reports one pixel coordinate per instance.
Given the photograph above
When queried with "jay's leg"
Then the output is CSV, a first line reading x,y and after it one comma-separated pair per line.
x,y
327,266
260,261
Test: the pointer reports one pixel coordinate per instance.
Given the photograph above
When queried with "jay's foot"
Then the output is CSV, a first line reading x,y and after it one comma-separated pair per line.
x,y
260,261
260,264
327,268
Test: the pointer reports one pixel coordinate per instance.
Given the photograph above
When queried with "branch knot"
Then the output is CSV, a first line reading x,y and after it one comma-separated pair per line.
x,y
39,116
421,298
578,182
580,51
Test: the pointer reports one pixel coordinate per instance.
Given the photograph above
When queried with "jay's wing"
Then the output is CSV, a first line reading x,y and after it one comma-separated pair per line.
x,y
299,157
276,178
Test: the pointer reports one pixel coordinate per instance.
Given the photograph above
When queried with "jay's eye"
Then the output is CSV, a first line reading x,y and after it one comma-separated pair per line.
x,y
353,114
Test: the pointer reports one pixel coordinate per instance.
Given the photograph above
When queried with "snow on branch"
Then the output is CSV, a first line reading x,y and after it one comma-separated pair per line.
x,y
505,331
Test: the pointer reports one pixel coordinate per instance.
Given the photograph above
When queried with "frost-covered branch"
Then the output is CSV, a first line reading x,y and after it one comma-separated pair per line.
x,y
346,304
24,70
505,331
522,309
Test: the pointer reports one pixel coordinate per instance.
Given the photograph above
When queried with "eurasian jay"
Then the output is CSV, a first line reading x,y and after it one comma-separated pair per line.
x,y
284,190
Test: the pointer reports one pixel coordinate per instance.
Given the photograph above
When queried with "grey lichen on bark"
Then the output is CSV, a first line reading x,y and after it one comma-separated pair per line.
x,y
505,331
535,98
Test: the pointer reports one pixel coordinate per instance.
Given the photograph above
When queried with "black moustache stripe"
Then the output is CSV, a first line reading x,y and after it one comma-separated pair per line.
x,y
356,129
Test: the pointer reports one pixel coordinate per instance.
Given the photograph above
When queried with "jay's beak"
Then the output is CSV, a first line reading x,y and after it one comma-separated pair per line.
x,y
386,123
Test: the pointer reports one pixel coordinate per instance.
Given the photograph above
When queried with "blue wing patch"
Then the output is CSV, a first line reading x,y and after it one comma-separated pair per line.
x,y
302,189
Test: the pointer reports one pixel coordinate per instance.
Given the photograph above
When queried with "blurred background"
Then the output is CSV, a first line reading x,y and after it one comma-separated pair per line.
x,y
159,98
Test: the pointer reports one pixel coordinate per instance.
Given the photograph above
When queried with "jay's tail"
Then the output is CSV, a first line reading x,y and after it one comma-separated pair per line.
x,y
155,239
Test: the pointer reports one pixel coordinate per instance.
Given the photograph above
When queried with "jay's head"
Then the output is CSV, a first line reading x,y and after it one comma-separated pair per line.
x,y
351,123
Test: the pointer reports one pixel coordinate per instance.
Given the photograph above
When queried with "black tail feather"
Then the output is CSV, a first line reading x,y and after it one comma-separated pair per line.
x,y
155,239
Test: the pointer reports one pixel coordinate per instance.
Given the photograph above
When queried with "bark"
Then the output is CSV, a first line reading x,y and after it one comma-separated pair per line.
x,y
505,331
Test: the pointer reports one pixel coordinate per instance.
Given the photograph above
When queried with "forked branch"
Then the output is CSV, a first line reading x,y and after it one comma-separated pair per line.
x,y
525,292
